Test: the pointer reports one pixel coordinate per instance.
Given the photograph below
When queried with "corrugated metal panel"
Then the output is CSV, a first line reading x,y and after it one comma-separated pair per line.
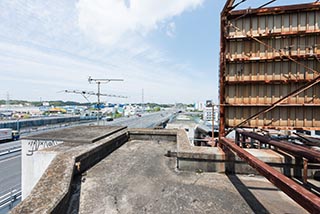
x,y
282,117
283,70
281,23
248,49
256,94
257,75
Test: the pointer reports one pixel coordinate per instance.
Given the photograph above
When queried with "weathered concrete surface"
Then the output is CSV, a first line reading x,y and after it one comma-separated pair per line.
x,y
153,134
266,155
191,158
263,197
139,178
78,134
51,194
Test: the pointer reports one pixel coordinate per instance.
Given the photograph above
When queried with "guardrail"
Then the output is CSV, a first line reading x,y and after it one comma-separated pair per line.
x,y
9,198
10,150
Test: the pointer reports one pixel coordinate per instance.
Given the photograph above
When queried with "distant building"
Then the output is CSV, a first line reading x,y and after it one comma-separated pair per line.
x,y
199,106
208,114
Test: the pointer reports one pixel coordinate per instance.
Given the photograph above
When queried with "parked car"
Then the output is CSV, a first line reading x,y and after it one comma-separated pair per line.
x,y
108,118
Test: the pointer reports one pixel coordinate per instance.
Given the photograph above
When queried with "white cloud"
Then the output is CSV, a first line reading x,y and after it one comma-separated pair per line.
x,y
41,54
113,20
171,28
29,73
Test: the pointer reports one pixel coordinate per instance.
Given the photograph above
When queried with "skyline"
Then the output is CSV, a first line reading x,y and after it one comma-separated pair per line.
x,y
169,49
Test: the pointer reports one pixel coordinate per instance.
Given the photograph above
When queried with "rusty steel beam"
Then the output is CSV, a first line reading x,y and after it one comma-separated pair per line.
x,y
227,7
277,9
248,11
282,127
296,150
302,196
275,34
281,57
222,64
268,104
282,81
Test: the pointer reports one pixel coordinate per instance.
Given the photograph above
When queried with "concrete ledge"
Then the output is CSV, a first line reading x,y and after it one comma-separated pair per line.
x,y
57,179
194,158
78,134
153,134
214,159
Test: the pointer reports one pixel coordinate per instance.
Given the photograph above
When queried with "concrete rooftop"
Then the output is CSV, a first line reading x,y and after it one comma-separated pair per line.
x,y
139,178
128,171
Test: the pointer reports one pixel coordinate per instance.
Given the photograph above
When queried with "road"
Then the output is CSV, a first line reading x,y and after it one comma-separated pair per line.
x,y
145,121
10,164
10,173
8,145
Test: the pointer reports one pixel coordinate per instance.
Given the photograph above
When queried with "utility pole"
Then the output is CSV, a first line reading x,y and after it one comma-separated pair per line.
x,y
212,137
98,82
8,101
142,101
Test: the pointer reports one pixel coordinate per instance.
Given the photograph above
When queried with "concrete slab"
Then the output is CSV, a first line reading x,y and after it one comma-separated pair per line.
x,y
139,178
269,198
266,155
78,134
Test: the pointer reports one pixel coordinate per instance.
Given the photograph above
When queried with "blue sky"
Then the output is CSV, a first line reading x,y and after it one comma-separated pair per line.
x,y
168,48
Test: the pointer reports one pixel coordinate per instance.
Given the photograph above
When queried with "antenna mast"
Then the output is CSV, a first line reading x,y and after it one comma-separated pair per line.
x,y
98,82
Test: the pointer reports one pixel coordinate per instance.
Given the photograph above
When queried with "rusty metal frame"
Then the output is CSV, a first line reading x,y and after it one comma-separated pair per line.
x,y
302,196
278,9
277,103
296,150
223,24
228,14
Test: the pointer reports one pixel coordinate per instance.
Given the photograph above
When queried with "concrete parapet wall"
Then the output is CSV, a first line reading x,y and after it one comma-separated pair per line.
x,y
56,180
193,158
153,134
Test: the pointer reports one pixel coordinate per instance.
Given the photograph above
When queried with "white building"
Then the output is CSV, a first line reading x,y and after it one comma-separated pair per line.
x,y
199,106
207,114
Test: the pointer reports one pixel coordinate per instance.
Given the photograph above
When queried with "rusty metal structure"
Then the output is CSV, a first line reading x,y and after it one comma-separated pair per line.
x,y
269,67
306,198
269,79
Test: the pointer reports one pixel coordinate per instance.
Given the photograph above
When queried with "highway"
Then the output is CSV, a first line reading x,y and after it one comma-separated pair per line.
x,y
8,145
145,121
10,172
10,164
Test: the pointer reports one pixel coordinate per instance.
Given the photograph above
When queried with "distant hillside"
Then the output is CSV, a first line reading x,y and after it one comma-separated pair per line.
x,y
38,103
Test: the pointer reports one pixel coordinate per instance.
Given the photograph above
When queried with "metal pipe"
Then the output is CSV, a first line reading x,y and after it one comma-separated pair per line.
x,y
299,151
302,196
205,130
305,171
